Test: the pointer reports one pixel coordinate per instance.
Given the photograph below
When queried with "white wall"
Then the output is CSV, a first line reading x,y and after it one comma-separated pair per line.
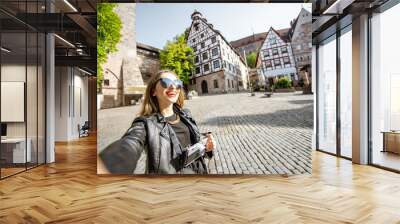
x,y
80,84
70,84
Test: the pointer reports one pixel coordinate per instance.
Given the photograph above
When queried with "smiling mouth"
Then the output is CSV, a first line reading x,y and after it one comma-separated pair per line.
x,y
171,94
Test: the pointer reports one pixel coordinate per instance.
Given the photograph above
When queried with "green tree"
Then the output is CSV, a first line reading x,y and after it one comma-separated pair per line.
x,y
108,35
178,57
251,60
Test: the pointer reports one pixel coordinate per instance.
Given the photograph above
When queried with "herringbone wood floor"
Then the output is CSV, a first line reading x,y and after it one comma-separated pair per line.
x,y
69,191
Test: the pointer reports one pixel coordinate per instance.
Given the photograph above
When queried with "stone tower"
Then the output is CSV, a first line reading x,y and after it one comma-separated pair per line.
x,y
133,85
123,80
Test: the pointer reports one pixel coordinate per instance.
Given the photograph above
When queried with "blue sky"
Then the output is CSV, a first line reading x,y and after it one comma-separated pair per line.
x,y
158,22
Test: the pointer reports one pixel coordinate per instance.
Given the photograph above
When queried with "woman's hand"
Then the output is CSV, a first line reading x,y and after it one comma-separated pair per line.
x,y
210,144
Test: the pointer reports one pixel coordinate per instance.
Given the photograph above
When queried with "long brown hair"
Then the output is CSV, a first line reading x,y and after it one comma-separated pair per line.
x,y
150,102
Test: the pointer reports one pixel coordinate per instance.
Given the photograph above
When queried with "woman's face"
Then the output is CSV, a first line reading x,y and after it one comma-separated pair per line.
x,y
167,90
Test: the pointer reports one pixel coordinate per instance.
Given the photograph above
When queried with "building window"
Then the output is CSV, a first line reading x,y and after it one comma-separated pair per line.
x,y
106,82
193,40
213,39
224,64
196,27
196,59
273,41
205,56
214,51
229,84
286,60
216,64
197,70
299,47
275,51
277,61
202,35
216,84
268,64
202,45
206,67
266,54
284,49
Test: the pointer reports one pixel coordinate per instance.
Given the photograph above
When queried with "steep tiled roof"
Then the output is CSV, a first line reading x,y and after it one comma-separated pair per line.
x,y
283,33
248,40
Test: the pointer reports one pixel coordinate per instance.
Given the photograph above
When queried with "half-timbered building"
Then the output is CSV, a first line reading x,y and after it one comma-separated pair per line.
x,y
218,68
275,58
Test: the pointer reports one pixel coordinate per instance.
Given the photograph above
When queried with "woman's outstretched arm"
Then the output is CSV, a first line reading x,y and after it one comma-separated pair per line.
x,y
121,156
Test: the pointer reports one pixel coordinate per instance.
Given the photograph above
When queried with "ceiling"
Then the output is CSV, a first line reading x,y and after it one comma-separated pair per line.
x,y
73,21
330,15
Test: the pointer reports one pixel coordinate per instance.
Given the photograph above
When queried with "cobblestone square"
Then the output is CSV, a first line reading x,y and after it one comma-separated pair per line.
x,y
254,134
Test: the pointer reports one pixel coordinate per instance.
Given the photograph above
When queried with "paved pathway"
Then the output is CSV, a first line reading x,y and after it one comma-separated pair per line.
x,y
255,135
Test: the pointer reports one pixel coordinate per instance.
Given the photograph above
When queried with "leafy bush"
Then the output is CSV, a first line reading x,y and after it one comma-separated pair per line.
x,y
283,83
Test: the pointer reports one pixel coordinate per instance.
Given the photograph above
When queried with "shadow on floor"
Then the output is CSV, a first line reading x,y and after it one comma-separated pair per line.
x,y
301,101
300,117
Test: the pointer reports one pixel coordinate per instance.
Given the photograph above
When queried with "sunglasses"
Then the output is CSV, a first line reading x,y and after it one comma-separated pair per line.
x,y
167,83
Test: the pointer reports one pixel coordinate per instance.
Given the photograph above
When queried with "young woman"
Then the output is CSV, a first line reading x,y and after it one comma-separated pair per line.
x,y
159,135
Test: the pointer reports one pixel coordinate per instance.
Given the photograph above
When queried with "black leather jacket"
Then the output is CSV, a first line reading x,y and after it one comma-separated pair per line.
x,y
163,150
